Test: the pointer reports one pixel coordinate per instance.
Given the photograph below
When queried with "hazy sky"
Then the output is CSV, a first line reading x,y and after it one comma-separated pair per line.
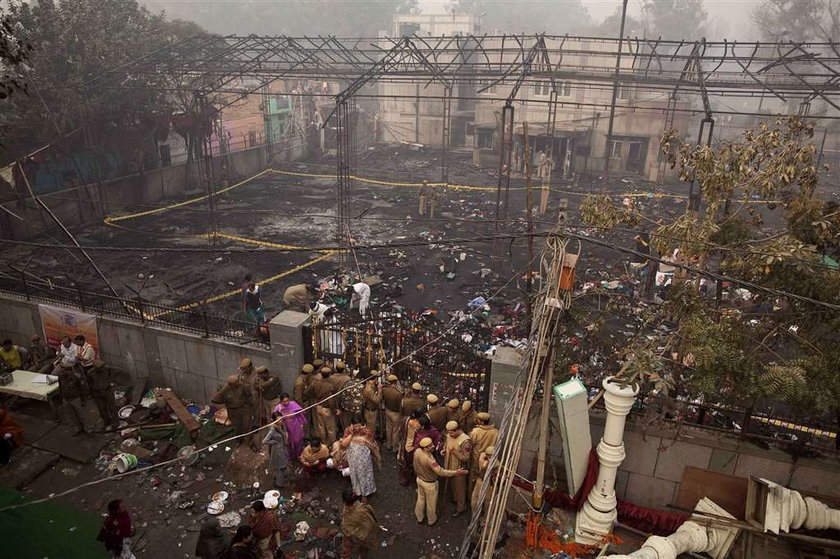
x,y
730,17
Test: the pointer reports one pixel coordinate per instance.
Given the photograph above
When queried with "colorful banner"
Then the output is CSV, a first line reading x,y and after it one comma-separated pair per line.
x,y
60,322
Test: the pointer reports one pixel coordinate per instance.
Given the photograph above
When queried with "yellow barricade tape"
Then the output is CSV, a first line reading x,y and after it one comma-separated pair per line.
x,y
110,220
233,292
795,427
450,186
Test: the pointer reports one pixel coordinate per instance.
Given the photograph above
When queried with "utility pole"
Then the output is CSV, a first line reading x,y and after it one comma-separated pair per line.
x,y
608,149
538,368
528,280
417,113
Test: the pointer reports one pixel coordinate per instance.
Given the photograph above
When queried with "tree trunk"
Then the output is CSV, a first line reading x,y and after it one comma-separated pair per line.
x,y
837,438
747,419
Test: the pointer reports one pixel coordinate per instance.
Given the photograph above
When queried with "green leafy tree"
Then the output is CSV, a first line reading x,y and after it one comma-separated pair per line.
x,y
780,349
74,41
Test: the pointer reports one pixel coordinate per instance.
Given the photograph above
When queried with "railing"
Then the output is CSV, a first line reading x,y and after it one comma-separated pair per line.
x,y
794,434
420,346
196,321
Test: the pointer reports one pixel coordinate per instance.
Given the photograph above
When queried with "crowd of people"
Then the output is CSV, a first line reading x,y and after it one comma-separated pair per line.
x,y
330,424
318,430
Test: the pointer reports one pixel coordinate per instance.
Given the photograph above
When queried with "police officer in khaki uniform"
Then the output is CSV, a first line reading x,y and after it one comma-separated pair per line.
x,y
371,399
481,478
438,414
453,411
467,416
237,399
325,423
412,400
102,393
302,385
269,389
483,435
428,471
457,452
392,395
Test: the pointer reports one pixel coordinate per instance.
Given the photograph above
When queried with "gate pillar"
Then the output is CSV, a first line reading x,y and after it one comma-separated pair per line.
x,y
287,349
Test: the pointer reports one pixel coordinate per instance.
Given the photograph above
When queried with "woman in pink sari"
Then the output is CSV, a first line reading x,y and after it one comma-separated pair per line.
x,y
295,421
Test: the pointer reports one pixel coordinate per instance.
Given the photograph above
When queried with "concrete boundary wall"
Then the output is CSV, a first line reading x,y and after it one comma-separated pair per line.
x,y
193,366
653,468
91,203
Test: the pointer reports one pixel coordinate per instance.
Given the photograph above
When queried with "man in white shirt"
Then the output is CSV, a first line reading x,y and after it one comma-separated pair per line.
x,y
68,352
360,297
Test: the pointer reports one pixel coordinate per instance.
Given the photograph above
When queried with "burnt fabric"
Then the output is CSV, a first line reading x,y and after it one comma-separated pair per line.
x,y
651,521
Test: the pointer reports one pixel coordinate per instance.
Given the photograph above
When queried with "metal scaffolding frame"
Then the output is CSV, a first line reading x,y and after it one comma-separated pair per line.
x,y
240,65
212,64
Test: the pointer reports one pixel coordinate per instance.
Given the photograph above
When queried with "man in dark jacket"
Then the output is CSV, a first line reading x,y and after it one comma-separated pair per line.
x,y
102,393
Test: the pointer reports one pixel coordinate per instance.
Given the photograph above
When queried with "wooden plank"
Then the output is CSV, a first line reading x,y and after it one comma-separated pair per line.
x,y
728,491
178,408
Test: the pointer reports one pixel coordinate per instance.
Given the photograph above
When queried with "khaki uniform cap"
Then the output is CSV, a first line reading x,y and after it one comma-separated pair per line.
x,y
453,403
489,450
484,416
339,365
233,379
425,442
318,363
466,406
432,399
245,363
452,425
325,370
261,369
307,369
416,386
392,378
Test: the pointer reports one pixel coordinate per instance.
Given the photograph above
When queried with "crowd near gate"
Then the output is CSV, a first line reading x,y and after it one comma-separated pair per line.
x,y
416,348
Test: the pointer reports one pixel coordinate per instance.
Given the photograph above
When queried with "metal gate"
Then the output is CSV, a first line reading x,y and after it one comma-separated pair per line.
x,y
420,347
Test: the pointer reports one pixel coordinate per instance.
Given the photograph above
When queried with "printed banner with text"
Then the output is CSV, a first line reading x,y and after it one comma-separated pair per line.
x,y
60,322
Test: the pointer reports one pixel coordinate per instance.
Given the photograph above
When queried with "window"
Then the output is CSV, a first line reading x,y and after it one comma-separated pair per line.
x,y
543,89
470,129
615,149
564,89
624,91
484,139
635,151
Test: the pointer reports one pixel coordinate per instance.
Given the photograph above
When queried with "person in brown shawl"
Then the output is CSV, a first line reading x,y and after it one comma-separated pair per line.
x,y
359,526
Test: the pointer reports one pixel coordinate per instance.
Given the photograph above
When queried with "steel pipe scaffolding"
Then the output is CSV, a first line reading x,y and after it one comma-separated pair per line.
x,y
212,64
466,66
